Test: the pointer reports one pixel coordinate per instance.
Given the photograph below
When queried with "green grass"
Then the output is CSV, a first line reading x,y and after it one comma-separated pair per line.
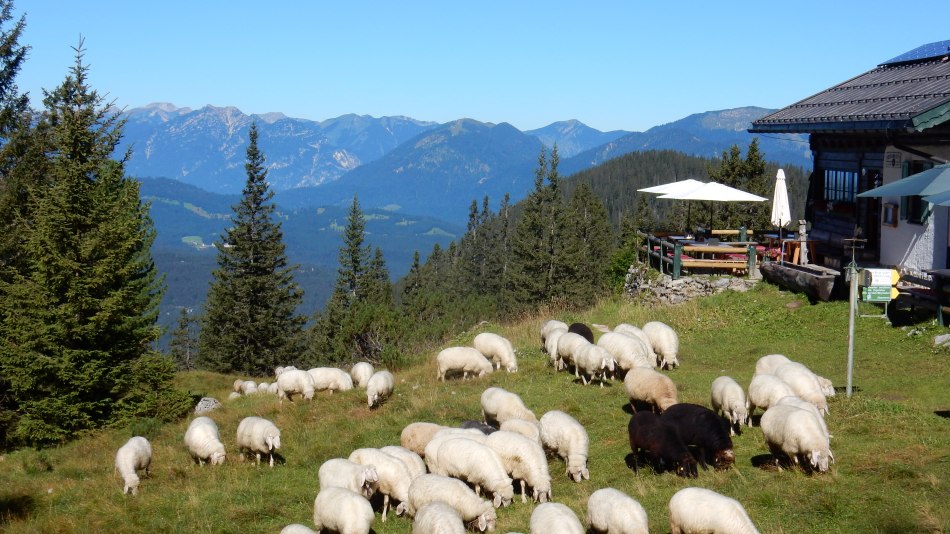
x,y
892,450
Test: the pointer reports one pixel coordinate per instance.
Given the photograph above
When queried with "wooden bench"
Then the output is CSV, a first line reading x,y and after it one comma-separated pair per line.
x,y
673,257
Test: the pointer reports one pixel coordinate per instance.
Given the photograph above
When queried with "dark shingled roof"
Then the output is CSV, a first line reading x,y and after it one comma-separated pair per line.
x,y
909,92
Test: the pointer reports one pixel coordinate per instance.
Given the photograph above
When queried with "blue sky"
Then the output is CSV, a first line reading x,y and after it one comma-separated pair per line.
x,y
612,64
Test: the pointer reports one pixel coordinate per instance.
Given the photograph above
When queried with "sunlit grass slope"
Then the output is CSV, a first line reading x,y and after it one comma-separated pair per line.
x,y
892,448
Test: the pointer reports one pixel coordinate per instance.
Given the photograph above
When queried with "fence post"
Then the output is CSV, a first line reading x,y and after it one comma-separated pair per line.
x,y
750,251
677,266
743,235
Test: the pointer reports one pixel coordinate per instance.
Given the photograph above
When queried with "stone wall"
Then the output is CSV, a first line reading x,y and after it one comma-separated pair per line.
x,y
651,287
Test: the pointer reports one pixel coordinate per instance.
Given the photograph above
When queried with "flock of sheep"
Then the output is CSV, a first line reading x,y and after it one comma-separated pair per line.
x,y
453,478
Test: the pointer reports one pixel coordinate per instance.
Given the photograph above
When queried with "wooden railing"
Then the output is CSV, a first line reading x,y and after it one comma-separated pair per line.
x,y
671,257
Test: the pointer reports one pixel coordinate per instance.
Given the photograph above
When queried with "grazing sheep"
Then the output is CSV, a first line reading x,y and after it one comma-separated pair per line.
x,y
463,360
798,402
525,461
766,365
804,383
567,345
497,349
666,343
499,405
728,399
263,387
360,373
583,330
415,436
473,462
342,511
330,379
628,351
437,517
476,512
596,362
528,429
394,477
238,385
379,388
702,510
414,463
551,517
548,327
297,528
566,437
248,387
234,395
550,344
765,390
134,455
611,511
661,444
342,473
280,369
294,382
258,436
204,441
630,330
273,389
797,433
700,427
649,386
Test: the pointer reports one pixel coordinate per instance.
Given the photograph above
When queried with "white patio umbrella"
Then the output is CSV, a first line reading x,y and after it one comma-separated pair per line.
x,y
781,213
680,186
716,192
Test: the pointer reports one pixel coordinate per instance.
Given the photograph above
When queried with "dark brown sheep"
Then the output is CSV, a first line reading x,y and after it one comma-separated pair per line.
x,y
700,427
662,444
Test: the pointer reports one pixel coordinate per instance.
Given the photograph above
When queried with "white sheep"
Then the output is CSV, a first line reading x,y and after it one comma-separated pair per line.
x,y
628,351
437,517
804,383
701,510
500,405
463,360
379,387
204,441
238,385
793,400
650,386
280,369
525,461
330,379
566,437
297,528
248,387
360,373
666,343
551,517
528,429
469,460
415,436
550,344
258,436
414,463
630,330
273,388
567,346
765,390
766,365
134,455
294,382
476,512
594,361
234,395
394,477
796,432
612,511
342,511
728,398
263,387
497,349
342,473
550,326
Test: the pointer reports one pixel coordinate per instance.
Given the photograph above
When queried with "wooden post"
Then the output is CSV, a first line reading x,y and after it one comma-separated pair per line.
x,y
677,262
750,250
743,235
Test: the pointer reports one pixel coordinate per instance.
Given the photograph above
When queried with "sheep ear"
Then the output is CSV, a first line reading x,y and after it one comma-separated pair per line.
x,y
497,500
482,523
585,473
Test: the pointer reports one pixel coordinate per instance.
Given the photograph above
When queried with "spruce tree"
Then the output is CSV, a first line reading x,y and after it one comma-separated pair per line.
x,y
250,323
586,246
183,347
79,311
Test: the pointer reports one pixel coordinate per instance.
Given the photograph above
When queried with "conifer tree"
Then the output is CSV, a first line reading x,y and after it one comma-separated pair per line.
x,y
79,311
183,347
756,215
586,245
250,323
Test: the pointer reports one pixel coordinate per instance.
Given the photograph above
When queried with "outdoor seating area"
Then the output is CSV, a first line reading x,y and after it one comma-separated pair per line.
x,y
677,255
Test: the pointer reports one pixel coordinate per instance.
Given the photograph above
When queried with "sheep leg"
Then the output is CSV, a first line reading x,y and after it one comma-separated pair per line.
x,y
478,490
524,499
272,459
385,505
258,459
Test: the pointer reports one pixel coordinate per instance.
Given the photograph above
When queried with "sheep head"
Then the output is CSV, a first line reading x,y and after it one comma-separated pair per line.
x,y
217,457
724,459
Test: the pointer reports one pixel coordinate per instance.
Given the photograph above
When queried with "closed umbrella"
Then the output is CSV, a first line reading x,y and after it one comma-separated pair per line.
x,y
781,213
930,182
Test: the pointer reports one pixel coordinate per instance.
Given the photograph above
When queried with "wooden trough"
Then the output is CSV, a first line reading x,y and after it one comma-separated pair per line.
x,y
813,280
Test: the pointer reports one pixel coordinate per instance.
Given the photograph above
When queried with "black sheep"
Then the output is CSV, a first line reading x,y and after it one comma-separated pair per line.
x,y
662,444
583,330
484,428
700,427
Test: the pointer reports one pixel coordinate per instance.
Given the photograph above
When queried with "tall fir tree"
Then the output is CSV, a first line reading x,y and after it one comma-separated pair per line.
x,y
183,346
756,215
79,311
250,324
587,243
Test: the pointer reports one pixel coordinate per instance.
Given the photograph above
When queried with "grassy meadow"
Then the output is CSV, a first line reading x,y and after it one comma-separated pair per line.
x,y
891,445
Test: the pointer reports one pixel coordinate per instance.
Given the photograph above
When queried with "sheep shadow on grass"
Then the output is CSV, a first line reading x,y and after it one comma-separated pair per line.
x,y
775,463
16,507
